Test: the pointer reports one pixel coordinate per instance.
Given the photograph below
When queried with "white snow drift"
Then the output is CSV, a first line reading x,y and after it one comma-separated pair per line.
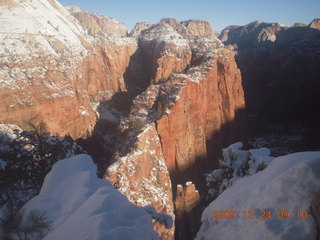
x,y
82,206
288,183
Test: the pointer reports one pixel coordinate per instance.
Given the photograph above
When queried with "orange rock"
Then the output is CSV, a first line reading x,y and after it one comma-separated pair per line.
x,y
203,108
141,174
187,198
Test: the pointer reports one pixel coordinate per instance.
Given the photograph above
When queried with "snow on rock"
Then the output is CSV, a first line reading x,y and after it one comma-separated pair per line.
x,y
45,19
98,25
235,164
288,183
8,133
82,206
165,33
139,171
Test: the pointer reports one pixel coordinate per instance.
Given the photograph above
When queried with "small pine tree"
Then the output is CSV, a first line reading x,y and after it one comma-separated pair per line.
x,y
16,225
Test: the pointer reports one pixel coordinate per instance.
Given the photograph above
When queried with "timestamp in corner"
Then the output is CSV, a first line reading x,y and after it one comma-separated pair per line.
x,y
260,214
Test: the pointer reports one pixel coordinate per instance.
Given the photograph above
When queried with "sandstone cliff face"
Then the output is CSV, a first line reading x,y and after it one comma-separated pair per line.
x,y
194,90
198,113
139,171
164,51
98,25
278,66
138,28
197,89
199,28
252,33
315,24
187,198
52,72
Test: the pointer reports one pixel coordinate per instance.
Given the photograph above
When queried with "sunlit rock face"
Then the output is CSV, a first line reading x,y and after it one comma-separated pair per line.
x,y
207,83
139,171
194,90
315,24
97,25
52,71
57,67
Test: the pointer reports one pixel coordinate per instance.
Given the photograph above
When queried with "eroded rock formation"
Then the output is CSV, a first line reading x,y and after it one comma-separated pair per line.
x,y
315,24
97,25
139,171
187,198
52,72
63,73
194,91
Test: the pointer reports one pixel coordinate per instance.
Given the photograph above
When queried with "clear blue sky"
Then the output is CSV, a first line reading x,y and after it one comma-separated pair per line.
x,y
220,13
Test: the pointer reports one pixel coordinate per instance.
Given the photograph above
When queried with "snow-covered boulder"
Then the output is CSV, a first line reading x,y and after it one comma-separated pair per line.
x,y
235,164
289,183
82,206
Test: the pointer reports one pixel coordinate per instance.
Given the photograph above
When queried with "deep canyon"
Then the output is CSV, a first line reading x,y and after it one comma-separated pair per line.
x,y
154,106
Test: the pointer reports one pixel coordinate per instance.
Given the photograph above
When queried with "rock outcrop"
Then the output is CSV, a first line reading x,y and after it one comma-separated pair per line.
x,y
97,25
188,207
139,171
198,113
52,72
279,68
187,198
251,33
60,73
315,24
138,28
199,28
194,91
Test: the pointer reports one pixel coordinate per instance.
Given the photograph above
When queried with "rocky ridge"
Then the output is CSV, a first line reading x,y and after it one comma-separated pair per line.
x,y
194,89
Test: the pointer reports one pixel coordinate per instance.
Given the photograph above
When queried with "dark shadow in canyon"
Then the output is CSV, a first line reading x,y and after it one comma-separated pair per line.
x,y
281,82
281,79
188,224
278,96
106,133
137,75
100,145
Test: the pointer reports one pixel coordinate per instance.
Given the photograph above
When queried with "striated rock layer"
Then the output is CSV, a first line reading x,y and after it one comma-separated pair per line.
x,y
194,91
52,72
139,171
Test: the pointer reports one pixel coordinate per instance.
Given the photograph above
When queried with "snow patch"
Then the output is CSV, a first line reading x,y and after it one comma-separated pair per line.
x,y
288,183
237,163
83,206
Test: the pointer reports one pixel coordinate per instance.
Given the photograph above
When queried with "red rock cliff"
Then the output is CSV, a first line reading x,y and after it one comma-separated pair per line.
x,y
195,89
210,98
52,72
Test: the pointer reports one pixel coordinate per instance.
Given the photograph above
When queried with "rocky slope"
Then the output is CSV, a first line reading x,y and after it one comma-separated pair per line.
x,y
51,71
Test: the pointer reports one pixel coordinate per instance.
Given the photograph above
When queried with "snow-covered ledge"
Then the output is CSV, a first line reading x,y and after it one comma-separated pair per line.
x,y
82,206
